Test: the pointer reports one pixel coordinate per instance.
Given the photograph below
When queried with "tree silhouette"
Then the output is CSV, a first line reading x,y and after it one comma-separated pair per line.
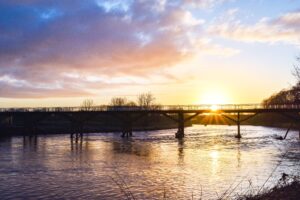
x,y
87,105
118,101
131,103
288,96
146,100
296,70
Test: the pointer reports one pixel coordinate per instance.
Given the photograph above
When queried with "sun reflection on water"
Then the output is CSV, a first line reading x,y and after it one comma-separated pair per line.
x,y
214,164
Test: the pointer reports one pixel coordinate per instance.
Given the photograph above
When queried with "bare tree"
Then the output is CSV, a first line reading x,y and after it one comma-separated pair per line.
x,y
146,100
295,90
118,101
87,105
290,95
296,70
131,103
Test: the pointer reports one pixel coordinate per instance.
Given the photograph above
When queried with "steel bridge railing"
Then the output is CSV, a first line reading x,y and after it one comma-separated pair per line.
x,y
154,108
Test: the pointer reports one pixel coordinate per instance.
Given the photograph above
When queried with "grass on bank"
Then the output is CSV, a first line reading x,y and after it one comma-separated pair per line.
x,y
288,188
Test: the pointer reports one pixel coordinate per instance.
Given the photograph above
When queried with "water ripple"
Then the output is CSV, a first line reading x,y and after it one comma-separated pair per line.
x,y
207,163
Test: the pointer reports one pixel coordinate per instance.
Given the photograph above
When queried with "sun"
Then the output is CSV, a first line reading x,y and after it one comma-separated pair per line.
x,y
214,108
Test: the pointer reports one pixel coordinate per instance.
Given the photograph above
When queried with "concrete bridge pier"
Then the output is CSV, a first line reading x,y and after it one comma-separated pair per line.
x,y
180,132
127,124
77,132
127,131
238,122
30,129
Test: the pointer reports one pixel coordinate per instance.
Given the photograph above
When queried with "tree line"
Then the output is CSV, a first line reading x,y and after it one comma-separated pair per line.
x,y
290,95
144,100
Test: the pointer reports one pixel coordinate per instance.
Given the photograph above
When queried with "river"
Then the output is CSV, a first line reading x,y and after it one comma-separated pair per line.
x,y
208,163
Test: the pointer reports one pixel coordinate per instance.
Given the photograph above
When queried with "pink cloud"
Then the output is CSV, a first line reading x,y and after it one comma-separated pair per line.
x,y
284,29
40,42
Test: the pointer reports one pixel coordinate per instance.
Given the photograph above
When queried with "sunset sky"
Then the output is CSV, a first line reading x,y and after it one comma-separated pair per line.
x,y
57,53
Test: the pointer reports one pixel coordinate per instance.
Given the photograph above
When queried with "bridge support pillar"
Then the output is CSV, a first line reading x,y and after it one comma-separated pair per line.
x,y
238,127
30,129
127,132
180,132
77,132
127,128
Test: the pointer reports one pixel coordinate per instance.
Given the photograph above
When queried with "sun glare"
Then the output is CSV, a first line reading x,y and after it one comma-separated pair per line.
x,y
214,98
214,155
214,108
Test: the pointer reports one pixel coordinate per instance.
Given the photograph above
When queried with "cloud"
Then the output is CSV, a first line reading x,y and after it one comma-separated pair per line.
x,y
22,89
204,4
284,29
42,41
205,47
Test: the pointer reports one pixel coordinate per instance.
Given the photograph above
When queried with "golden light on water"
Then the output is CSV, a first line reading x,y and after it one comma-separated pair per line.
x,y
214,155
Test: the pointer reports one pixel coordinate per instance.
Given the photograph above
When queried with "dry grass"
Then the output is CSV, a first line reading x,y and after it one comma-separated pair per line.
x,y
288,188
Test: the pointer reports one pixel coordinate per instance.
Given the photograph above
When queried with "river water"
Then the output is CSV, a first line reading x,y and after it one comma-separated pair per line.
x,y
208,163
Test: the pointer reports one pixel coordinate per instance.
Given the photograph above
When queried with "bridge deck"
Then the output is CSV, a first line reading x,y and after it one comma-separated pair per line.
x,y
228,108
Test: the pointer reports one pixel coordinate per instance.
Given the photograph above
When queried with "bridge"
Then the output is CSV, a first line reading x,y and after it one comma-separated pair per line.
x,y
128,115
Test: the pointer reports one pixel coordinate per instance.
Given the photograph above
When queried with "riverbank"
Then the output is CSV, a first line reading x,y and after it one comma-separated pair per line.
x,y
282,191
